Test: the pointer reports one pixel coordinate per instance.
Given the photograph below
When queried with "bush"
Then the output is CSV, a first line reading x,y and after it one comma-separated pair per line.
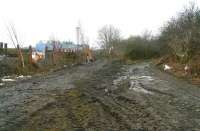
x,y
140,48
182,33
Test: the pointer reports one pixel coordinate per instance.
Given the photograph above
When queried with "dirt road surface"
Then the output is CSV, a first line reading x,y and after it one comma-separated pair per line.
x,y
102,96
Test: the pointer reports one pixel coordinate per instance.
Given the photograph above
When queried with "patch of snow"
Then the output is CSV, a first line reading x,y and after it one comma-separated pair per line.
x,y
134,85
6,77
106,90
2,57
133,77
7,80
38,56
141,77
186,68
28,76
1,84
23,77
119,79
134,81
142,90
146,77
14,78
166,67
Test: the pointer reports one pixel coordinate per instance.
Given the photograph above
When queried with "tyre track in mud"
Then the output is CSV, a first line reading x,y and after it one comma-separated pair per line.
x,y
101,99
90,107
19,100
174,107
175,100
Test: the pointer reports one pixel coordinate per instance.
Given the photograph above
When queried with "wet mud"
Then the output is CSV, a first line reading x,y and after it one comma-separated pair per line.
x,y
102,96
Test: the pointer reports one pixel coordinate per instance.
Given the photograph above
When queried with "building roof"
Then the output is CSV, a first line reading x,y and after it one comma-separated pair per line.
x,y
40,46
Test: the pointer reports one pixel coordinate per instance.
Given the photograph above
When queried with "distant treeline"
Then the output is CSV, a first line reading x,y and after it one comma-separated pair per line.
x,y
179,38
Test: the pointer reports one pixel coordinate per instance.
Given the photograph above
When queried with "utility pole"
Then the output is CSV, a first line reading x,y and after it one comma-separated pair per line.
x,y
6,49
1,48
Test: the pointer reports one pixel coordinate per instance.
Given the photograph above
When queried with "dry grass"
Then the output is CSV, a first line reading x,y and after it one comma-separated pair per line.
x,y
178,68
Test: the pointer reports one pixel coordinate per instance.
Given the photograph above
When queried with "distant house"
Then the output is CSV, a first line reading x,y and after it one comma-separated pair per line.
x,y
65,46
40,46
69,47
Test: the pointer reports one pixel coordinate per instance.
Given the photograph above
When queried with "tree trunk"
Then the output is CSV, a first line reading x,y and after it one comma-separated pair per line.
x,y
21,58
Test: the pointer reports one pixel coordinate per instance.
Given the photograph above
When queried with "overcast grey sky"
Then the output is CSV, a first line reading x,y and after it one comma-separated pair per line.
x,y
37,20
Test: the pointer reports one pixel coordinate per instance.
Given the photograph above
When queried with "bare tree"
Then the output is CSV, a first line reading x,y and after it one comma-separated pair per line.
x,y
14,38
182,32
108,35
147,35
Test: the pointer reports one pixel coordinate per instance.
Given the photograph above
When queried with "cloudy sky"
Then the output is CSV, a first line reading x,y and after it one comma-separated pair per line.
x,y
37,20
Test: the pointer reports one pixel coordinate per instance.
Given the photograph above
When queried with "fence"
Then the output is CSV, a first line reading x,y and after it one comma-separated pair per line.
x,y
59,57
48,58
3,48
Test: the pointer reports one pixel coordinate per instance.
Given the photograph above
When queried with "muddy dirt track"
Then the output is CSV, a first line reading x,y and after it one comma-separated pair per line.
x,y
102,96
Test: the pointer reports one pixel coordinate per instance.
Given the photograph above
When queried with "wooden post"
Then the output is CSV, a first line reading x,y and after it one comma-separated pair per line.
x,y
53,55
21,59
1,48
30,55
19,54
46,55
5,49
